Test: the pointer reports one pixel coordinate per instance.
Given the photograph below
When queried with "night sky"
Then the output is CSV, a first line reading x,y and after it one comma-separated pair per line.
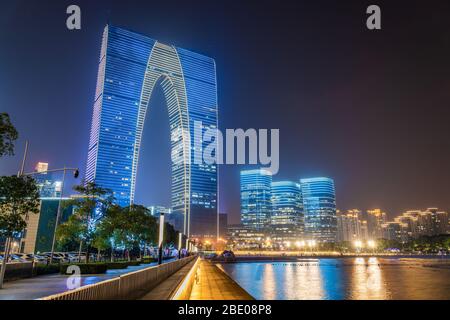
x,y
367,108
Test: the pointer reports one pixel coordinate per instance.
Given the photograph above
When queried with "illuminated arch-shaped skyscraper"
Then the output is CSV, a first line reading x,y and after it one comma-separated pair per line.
x,y
131,65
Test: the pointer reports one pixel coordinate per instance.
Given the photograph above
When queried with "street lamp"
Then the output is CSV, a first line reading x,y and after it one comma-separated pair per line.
x,y
300,244
15,246
268,243
161,238
358,245
111,240
288,244
180,240
311,244
371,244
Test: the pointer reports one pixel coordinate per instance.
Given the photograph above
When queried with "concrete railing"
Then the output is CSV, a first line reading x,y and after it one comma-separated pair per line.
x,y
129,286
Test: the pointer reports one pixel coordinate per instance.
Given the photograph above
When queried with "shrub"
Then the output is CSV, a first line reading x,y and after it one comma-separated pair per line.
x,y
42,269
134,263
15,271
86,268
117,265
148,260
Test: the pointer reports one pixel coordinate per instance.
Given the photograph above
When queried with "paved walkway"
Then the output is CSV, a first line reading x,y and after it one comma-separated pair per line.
x,y
43,286
164,290
214,284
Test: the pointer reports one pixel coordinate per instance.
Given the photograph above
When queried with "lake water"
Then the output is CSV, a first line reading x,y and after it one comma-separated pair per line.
x,y
343,278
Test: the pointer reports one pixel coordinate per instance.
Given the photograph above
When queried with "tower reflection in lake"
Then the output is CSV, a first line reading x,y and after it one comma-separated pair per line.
x,y
342,279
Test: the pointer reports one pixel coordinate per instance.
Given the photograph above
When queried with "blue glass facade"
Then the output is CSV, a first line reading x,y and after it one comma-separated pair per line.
x,y
319,203
287,221
131,65
49,184
256,202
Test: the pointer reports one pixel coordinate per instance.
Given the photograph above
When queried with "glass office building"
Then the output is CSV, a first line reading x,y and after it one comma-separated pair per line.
x,y
38,235
319,202
287,222
130,66
49,184
256,202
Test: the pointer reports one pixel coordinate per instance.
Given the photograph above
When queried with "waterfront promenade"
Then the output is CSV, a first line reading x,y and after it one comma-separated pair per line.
x,y
200,279
208,282
211,283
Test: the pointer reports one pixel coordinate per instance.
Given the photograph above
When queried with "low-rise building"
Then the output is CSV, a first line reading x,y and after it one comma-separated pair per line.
x,y
38,235
244,237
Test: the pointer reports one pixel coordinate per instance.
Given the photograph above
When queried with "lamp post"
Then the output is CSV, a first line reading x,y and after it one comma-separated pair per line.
x,y
5,257
300,244
358,245
371,244
112,249
311,244
161,238
180,241
287,244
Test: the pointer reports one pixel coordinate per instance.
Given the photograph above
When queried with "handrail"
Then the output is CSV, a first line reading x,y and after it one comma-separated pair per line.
x,y
84,289
128,286
184,289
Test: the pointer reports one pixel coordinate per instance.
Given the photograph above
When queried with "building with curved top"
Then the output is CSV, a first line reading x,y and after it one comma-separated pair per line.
x,y
256,198
319,202
287,221
130,67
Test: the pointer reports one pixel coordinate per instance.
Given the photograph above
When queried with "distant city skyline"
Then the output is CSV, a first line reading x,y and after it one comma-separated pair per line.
x,y
354,225
366,109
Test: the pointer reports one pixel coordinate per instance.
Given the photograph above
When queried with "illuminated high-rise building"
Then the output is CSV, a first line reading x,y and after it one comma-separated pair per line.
x,y
41,167
394,231
375,219
256,198
49,183
429,222
130,67
287,221
350,227
319,203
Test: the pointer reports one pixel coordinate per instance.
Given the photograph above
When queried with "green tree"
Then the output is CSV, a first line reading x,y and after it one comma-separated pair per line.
x,y
130,228
71,232
170,234
19,197
89,208
8,135
142,227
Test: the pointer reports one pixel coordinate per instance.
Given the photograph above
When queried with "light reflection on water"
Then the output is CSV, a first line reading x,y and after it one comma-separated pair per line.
x,y
367,281
338,279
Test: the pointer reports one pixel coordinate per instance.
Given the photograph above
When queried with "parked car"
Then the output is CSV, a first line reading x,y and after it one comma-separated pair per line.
x,y
72,257
25,256
57,257
40,259
16,258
